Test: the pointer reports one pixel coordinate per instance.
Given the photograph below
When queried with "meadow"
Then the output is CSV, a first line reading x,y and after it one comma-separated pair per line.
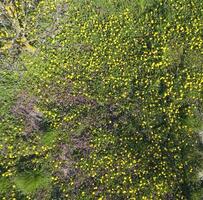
x,y
101,100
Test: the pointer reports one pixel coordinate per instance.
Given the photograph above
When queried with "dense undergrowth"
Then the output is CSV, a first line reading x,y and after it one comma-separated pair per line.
x,y
103,100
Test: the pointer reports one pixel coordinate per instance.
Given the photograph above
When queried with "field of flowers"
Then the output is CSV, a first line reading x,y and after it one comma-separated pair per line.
x,y
101,99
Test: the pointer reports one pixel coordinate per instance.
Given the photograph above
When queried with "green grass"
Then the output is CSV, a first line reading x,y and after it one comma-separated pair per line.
x,y
30,182
4,184
49,137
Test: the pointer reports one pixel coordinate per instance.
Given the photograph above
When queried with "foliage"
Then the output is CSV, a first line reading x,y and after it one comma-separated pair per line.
x,y
29,182
118,87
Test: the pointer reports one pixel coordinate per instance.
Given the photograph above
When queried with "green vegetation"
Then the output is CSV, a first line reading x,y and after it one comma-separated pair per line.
x,y
101,99
30,182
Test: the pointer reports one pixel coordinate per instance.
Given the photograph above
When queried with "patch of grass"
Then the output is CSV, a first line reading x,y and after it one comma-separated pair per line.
x,y
4,184
29,182
49,137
